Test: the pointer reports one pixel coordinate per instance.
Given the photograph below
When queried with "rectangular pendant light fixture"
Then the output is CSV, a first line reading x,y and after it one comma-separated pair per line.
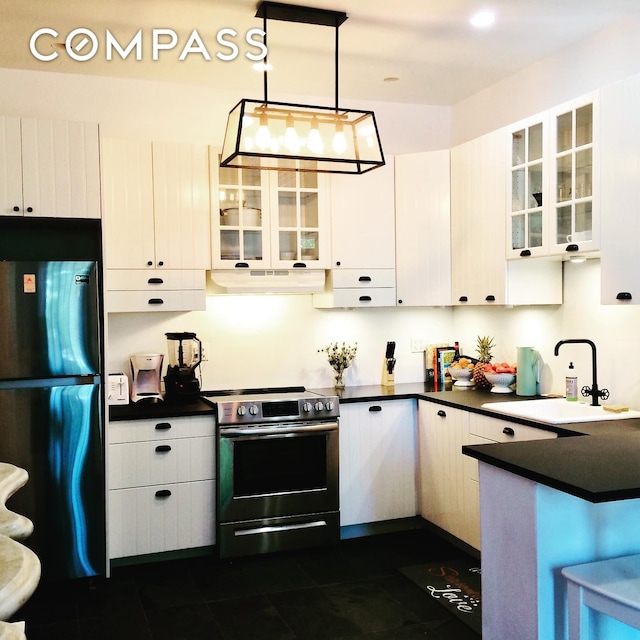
x,y
296,137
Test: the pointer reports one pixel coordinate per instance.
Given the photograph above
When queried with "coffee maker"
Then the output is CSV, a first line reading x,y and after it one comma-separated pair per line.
x,y
185,355
146,375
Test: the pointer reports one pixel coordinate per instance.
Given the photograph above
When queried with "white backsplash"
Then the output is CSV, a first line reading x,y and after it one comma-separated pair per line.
x,y
256,341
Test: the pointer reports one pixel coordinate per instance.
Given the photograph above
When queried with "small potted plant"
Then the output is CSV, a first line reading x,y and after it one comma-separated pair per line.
x,y
340,358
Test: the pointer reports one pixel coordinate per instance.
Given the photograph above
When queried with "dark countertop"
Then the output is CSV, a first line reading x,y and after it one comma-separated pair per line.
x,y
600,468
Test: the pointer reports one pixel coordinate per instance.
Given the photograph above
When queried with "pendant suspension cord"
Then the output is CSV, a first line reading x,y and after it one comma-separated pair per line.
x,y
264,22
336,63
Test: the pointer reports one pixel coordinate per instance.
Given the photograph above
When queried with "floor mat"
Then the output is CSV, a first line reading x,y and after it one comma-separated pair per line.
x,y
455,585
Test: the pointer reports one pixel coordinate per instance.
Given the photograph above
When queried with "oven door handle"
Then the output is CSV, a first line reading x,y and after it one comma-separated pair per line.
x,y
278,431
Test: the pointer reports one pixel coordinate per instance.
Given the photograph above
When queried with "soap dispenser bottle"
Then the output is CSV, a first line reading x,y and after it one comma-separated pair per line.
x,y
571,385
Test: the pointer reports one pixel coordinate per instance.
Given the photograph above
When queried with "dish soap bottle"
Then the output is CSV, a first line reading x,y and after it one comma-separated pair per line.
x,y
571,385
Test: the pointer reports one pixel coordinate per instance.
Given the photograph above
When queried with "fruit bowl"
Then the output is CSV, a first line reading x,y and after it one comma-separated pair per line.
x,y
462,376
501,381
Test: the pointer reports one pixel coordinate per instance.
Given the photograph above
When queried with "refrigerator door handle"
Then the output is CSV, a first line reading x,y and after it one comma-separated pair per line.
x,y
39,383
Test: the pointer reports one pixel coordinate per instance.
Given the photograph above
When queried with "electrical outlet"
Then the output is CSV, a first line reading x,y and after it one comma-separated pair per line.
x,y
417,345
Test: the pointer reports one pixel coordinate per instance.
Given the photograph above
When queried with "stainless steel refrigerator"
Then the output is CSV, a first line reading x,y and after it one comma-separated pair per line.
x,y
51,405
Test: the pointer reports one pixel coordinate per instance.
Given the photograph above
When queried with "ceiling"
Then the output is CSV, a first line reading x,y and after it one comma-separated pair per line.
x,y
428,45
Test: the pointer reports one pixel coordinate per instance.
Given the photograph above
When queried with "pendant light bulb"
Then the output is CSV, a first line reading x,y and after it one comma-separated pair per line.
x,y
314,141
291,140
263,137
339,139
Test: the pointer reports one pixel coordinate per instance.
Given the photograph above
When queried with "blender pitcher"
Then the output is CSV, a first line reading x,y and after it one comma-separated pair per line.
x,y
185,355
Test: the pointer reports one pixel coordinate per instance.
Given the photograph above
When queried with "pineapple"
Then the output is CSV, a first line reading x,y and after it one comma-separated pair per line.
x,y
485,344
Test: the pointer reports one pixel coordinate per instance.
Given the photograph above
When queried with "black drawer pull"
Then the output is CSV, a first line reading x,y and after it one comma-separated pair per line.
x,y
299,265
161,263
508,431
375,407
16,208
463,299
163,493
163,426
490,298
149,263
163,448
525,252
338,263
442,413
400,301
155,281
365,298
29,209
624,295
572,247
364,279
156,301
242,265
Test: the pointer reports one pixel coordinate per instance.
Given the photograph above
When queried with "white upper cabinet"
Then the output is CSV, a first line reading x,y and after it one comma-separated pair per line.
x,y
49,168
423,229
574,185
620,190
156,199
269,219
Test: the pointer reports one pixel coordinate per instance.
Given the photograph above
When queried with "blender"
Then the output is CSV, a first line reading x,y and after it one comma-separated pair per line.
x,y
185,355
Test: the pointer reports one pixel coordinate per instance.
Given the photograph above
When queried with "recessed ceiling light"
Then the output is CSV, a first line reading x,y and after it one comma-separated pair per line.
x,y
483,19
391,79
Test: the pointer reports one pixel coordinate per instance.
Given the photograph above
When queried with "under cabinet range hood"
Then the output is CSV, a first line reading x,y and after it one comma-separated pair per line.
x,y
269,280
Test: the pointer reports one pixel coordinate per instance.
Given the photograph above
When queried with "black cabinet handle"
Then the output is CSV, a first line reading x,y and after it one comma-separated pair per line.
x,y
156,301
149,263
161,263
375,407
442,413
572,247
508,431
155,281
242,265
365,298
163,426
299,265
338,263
490,298
29,209
399,301
463,299
524,253
364,279
16,208
624,295
163,493
163,448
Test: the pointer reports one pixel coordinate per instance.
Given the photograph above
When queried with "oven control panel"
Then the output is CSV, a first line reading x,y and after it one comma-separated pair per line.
x,y
252,411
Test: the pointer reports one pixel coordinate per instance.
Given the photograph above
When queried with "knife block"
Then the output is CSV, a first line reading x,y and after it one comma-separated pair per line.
x,y
387,378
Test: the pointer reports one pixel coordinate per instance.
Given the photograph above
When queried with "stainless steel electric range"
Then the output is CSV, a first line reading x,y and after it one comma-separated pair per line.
x,y
278,470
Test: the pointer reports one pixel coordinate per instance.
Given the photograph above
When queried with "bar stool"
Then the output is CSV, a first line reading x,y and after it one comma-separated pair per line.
x,y
611,587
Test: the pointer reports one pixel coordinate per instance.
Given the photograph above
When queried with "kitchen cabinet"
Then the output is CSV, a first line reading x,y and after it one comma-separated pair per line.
x,y
156,225
269,219
620,145
161,479
423,229
481,275
362,241
448,479
378,455
49,168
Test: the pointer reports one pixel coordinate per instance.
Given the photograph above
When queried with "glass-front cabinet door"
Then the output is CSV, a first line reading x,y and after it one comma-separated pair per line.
x,y
575,226
527,189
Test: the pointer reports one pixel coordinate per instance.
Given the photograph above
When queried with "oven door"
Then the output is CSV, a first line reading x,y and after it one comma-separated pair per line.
x,y
277,470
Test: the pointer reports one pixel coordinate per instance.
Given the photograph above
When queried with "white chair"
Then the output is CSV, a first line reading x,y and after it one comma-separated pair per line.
x,y
611,587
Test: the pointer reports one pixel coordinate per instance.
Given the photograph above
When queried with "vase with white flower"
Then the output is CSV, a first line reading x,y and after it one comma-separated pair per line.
x,y
340,357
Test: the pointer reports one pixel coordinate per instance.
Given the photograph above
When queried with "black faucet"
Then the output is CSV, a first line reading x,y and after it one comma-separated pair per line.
x,y
593,390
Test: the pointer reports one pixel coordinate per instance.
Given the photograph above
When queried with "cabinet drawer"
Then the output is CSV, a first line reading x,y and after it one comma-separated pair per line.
x,y
155,279
366,278
162,518
504,431
364,297
161,429
138,464
136,301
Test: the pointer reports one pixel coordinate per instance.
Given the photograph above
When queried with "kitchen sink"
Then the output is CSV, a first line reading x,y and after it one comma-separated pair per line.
x,y
557,411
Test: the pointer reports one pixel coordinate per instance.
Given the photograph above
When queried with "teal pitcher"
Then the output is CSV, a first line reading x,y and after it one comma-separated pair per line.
x,y
527,376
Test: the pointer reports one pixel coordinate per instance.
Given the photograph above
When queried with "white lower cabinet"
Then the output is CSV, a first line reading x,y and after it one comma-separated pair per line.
x,y
162,489
449,479
378,458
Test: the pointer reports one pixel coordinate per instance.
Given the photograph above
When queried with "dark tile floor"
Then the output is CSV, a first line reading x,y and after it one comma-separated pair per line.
x,y
350,591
